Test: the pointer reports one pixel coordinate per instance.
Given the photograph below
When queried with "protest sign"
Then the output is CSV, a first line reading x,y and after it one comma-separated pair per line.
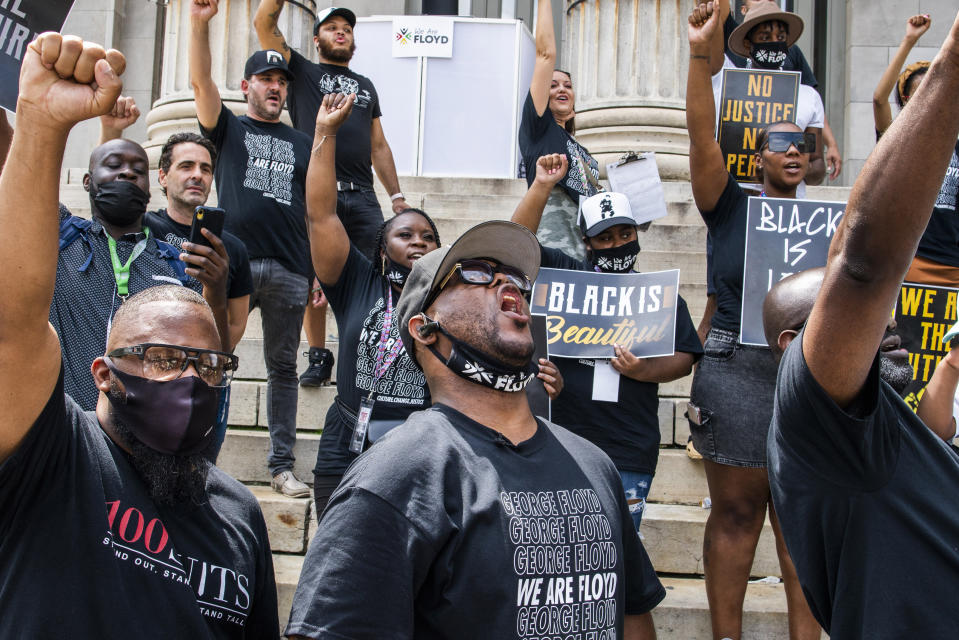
x,y
750,100
536,395
587,312
20,22
923,316
783,237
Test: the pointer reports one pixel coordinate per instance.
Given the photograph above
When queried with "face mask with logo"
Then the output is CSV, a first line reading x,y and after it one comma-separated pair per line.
x,y
616,259
119,202
395,272
769,55
478,367
175,417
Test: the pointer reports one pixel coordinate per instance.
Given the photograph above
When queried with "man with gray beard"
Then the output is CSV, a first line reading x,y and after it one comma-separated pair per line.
x,y
113,520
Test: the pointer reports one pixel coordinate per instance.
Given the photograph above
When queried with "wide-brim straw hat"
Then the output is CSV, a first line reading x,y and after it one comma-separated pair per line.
x,y
764,13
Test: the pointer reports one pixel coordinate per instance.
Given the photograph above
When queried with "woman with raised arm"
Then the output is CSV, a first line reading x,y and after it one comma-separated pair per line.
x,y
937,257
373,368
732,392
547,126
904,83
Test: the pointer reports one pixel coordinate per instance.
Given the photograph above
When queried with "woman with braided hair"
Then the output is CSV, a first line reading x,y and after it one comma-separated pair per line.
x,y
374,374
937,257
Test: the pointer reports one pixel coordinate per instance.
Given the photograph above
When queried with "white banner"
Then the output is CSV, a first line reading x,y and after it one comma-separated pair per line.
x,y
422,36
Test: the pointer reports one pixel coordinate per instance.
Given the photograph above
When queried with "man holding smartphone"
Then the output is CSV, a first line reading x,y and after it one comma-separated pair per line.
x,y
186,176
261,181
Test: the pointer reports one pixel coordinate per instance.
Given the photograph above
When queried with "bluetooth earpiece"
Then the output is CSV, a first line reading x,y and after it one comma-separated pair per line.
x,y
428,328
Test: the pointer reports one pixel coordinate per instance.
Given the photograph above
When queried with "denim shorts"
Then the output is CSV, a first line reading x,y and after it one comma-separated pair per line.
x,y
733,388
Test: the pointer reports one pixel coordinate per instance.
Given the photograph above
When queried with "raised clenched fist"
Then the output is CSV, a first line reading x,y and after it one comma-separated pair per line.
x,y
64,80
333,111
550,169
703,22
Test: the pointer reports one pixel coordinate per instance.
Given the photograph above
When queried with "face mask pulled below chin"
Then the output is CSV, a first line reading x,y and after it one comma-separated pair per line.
x,y
175,417
395,272
119,202
485,370
616,259
769,55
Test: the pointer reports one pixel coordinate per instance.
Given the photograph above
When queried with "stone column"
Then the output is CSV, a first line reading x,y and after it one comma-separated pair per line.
x,y
628,60
232,41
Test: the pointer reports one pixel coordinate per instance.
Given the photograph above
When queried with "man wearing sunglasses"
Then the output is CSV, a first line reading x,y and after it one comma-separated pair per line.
x,y
858,481
115,519
474,519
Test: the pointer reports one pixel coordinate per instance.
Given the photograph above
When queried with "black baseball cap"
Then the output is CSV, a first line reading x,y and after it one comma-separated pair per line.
x,y
499,240
266,60
329,12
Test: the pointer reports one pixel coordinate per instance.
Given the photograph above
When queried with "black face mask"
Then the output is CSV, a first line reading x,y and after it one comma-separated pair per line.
x,y
119,202
616,259
174,417
395,272
478,367
769,55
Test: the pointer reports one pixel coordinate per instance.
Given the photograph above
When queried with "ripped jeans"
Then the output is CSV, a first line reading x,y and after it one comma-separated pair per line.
x,y
636,485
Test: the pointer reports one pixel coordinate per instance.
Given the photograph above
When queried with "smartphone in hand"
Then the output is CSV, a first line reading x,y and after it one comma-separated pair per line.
x,y
210,218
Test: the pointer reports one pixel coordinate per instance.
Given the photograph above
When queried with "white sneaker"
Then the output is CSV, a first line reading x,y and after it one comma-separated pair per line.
x,y
287,484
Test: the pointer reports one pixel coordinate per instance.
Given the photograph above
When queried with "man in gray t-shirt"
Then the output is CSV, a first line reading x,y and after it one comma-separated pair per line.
x,y
474,519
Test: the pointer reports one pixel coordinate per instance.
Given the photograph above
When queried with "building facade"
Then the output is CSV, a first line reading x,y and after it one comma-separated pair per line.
x,y
628,58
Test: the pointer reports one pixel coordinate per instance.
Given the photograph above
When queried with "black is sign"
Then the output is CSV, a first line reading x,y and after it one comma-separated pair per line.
x,y
924,314
783,237
587,312
20,22
751,99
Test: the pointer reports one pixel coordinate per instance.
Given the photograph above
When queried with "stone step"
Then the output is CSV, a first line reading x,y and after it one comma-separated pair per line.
x,y
691,263
248,409
673,536
248,405
287,519
679,480
683,614
244,452
253,367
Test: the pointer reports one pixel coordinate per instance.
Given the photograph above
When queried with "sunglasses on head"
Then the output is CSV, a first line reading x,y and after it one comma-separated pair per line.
x,y
780,141
481,272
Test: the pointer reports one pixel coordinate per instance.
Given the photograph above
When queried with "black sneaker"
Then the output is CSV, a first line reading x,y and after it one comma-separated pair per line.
x,y
321,367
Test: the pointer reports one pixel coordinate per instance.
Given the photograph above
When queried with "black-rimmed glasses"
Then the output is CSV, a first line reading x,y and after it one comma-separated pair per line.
x,y
481,272
164,362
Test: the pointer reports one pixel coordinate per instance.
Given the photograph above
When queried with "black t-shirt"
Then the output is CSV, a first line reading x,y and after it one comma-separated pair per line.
x,y
261,183
795,60
359,300
239,280
87,554
940,240
315,80
444,529
727,228
866,509
627,430
539,135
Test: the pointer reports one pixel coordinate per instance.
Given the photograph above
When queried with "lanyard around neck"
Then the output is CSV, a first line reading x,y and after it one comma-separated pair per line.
x,y
121,272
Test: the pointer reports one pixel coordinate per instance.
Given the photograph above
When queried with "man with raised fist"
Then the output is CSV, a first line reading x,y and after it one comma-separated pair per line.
x,y
112,523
